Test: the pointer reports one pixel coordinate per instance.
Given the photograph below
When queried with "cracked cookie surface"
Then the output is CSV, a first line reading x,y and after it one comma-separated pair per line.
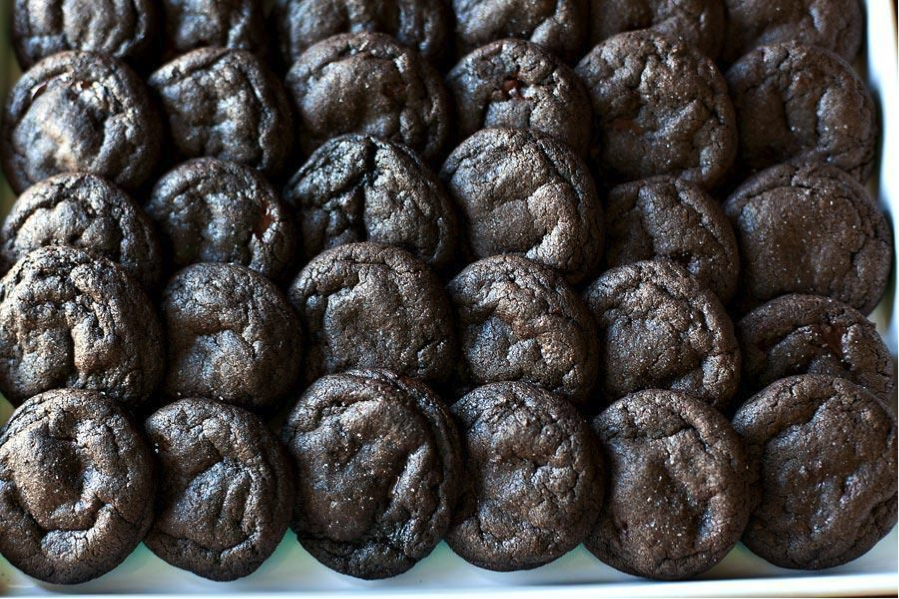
x,y
809,229
368,83
679,496
836,25
520,321
210,210
225,104
660,108
532,477
658,328
560,26
192,24
231,336
86,212
69,319
665,217
697,23
424,25
812,334
360,188
120,28
225,489
369,305
522,192
79,111
798,103
378,464
76,478
515,83
824,460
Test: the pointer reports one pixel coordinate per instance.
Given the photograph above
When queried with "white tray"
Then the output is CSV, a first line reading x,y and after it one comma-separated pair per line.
x,y
577,574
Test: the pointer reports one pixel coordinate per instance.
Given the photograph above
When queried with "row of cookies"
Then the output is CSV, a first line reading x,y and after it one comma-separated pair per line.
x,y
69,317
142,30
375,470
637,105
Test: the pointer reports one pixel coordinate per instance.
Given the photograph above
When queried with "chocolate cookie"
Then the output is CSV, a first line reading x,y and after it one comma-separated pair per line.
x,y
86,212
369,305
68,319
76,479
79,111
837,25
368,83
532,481
799,334
378,467
560,27
664,217
660,329
809,229
423,25
225,489
679,496
210,210
514,83
120,28
360,188
522,192
225,104
802,104
824,453
660,108
231,336
696,23
192,24
520,321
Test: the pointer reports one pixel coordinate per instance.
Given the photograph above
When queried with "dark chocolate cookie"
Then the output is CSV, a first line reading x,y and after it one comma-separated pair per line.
x,y
664,217
659,328
210,210
679,496
369,305
69,319
514,83
520,321
231,336
559,26
360,188
824,454
368,83
192,24
697,23
809,229
225,489
802,104
532,481
522,192
660,108
120,28
79,111
837,25
86,212
225,104
378,468
799,334
423,25
76,486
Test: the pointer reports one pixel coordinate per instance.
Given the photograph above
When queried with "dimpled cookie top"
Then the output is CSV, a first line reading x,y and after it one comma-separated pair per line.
x,y
79,111
659,108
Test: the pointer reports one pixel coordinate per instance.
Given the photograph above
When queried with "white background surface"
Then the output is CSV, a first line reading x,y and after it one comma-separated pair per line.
x,y
577,574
